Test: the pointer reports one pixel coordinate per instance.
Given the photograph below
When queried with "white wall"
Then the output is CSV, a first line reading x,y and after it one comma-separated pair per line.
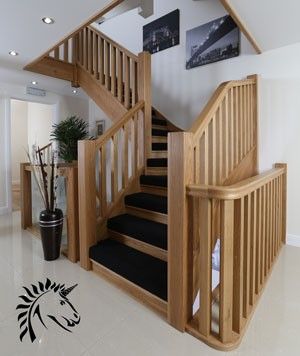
x,y
181,94
19,137
64,106
40,121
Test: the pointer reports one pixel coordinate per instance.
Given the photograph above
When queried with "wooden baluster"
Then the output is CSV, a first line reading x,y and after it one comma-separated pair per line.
x,y
107,64
236,125
134,80
113,71
226,136
127,82
120,75
267,236
258,241
90,50
136,147
125,157
210,152
271,221
75,49
241,123
114,167
263,229
245,119
214,150
247,235
253,236
221,133
205,243
66,50
102,178
95,56
226,275
85,48
238,270
101,60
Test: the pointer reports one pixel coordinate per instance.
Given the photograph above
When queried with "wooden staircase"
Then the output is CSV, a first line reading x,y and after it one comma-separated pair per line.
x,y
153,200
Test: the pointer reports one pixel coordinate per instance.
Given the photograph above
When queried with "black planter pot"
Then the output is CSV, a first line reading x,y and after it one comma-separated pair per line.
x,y
51,224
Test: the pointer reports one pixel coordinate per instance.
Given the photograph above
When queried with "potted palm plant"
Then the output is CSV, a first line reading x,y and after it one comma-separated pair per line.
x,y
67,133
44,167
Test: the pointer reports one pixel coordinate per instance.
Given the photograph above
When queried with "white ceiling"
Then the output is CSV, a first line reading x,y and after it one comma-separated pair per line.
x,y
273,23
21,29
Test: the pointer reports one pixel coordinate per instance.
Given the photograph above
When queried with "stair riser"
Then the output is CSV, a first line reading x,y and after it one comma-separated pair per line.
x,y
159,139
137,292
159,154
154,190
160,171
159,127
139,245
147,214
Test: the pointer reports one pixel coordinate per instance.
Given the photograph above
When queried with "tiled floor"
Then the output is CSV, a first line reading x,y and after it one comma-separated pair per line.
x,y
113,324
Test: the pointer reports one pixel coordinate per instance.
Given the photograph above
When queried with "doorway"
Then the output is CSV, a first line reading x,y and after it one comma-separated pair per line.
x,y
31,124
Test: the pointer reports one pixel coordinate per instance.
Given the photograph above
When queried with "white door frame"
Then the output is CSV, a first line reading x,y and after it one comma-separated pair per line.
x,y
7,154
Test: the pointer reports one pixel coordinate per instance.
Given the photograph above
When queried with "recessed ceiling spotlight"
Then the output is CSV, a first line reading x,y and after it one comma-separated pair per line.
x,y
34,82
13,53
48,20
74,91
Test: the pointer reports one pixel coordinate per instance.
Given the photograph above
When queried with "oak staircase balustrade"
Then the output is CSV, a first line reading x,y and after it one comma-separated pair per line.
x,y
190,189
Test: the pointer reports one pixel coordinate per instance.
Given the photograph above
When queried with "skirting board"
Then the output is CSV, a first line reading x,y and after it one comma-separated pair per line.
x,y
293,240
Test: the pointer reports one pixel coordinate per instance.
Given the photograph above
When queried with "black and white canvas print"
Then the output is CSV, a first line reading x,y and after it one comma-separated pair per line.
x,y
162,33
212,42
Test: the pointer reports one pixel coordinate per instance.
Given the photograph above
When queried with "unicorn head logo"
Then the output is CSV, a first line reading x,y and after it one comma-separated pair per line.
x,y
36,304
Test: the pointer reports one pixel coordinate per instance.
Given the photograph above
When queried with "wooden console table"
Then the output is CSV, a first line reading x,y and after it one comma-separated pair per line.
x,y
70,173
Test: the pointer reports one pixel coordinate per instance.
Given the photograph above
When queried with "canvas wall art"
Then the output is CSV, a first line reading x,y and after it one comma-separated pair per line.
x,y
162,33
212,42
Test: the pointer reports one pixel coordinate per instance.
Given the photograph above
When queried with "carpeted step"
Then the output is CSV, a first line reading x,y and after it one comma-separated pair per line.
x,y
147,201
141,269
155,181
157,162
160,133
157,146
160,122
150,232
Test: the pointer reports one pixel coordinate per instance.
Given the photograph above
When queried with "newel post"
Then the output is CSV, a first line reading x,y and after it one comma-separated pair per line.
x,y
87,200
145,93
180,174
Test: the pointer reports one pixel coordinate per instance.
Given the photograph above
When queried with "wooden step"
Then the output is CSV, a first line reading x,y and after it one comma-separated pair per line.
x,y
147,214
159,127
140,274
157,171
159,139
159,154
154,184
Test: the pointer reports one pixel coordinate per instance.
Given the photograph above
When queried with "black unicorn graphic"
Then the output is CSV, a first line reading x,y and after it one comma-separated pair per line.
x,y
66,316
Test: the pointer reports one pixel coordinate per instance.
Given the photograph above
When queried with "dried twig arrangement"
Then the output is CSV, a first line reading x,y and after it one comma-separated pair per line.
x,y
44,166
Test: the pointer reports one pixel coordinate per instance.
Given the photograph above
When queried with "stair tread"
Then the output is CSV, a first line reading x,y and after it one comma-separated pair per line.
x,y
157,162
146,271
159,146
161,122
160,133
157,181
157,203
150,232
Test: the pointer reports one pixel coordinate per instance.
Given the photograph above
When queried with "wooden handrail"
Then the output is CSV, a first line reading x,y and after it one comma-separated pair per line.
x,y
114,129
235,191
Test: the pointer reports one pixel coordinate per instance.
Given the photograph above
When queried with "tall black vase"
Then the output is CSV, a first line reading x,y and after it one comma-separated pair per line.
x,y
51,225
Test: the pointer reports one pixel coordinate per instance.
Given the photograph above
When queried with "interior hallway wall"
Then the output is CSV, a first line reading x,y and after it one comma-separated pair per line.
x,y
19,137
